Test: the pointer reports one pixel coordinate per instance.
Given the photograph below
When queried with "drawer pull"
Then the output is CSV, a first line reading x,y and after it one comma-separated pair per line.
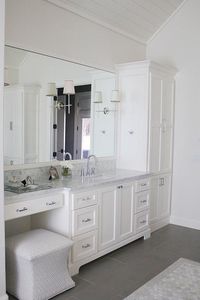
x,y
50,203
85,246
86,199
21,209
86,220
143,222
143,184
143,201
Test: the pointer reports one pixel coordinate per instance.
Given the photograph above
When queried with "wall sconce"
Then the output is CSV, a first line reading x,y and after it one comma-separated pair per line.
x,y
52,92
114,99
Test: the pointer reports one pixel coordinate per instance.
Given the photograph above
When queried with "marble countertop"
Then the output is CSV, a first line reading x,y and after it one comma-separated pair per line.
x,y
76,184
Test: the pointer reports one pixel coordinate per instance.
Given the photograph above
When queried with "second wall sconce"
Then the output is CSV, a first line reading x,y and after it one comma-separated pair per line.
x,y
114,99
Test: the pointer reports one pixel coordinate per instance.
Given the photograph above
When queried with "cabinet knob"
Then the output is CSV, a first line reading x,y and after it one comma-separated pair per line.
x,y
131,131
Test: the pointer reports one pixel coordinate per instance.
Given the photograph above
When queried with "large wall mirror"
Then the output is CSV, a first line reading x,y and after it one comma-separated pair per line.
x,y
43,120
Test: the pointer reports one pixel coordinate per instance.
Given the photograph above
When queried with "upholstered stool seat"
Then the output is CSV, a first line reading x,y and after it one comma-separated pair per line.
x,y
37,265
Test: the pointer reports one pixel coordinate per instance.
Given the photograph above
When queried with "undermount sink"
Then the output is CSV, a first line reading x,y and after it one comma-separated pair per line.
x,y
26,189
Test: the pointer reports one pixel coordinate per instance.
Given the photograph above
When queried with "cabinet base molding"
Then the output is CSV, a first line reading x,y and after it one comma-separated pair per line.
x,y
190,223
157,224
74,268
4,297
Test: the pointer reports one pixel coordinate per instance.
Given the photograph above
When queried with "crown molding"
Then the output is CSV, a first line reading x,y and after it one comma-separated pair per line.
x,y
79,12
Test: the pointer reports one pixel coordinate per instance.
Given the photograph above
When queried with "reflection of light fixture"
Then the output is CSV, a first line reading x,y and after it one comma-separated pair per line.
x,y
114,99
52,92
97,97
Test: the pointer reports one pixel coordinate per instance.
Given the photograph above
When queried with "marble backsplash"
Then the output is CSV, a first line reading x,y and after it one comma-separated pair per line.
x,y
41,174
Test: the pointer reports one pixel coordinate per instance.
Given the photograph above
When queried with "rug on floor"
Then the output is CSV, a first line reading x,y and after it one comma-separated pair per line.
x,y
180,281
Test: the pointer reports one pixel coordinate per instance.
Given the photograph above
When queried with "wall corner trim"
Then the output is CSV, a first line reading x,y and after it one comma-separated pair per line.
x,y
166,22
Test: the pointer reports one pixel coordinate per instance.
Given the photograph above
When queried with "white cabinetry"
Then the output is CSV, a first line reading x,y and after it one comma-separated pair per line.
x,y
146,116
160,200
21,124
116,214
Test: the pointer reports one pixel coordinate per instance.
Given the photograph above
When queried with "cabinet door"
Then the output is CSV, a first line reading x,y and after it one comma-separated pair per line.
x,y
163,206
154,195
107,217
133,131
126,212
155,120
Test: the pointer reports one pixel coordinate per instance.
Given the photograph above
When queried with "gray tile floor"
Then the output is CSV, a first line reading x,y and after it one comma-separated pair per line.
x,y
119,273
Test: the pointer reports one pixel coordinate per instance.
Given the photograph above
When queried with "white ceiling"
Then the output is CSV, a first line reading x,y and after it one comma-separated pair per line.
x,y
136,19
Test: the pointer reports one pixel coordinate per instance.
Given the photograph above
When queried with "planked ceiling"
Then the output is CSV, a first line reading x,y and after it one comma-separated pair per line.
x,y
136,19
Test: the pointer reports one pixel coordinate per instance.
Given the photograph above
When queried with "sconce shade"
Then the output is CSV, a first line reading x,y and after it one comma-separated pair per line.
x,y
51,89
97,97
115,96
69,87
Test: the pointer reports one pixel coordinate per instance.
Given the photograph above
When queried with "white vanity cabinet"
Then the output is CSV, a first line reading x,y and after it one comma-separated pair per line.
x,y
160,200
146,116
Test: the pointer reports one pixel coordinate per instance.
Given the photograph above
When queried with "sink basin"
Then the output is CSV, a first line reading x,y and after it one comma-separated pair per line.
x,y
26,189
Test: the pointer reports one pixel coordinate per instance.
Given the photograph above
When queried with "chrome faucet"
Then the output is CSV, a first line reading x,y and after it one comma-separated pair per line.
x,y
69,155
92,170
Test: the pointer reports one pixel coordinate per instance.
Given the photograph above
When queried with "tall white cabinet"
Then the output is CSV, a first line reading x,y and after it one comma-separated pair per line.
x,y
145,131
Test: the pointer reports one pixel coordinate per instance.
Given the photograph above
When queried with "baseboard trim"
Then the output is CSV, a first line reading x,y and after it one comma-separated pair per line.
x,y
155,225
190,223
4,297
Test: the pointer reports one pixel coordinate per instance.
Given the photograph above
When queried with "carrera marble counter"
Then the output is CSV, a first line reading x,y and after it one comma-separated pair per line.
x,y
75,184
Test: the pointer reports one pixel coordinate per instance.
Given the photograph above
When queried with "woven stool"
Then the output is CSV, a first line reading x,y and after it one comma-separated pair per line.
x,y
37,265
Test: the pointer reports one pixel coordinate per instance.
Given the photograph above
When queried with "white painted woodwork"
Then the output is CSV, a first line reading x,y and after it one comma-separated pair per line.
x,y
142,201
84,220
160,197
107,217
141,221
84,246
146,116
137,19
29,207
84,199
21,130
125,209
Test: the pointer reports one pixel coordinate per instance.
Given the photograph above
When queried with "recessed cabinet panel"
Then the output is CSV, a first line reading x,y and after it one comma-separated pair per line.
x,y
133,121
107,218
126,211
84,220
164,196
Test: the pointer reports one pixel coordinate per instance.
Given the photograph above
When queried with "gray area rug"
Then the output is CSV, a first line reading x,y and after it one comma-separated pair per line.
x,y
180,281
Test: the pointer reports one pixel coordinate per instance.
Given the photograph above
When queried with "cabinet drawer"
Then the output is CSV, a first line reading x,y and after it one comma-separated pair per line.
x,y
83,200
36,205
84,220
84,246
141,221
52,202
142,185
141,201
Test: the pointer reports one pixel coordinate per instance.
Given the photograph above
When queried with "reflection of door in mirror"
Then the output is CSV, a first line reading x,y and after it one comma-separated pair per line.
x,y
77,130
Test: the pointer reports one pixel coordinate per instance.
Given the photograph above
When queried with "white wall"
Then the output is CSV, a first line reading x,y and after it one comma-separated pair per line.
x,y
178,44
2,243
42,27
